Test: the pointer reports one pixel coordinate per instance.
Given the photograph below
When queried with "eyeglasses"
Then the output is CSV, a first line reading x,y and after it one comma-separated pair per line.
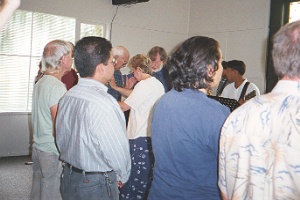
x,y
113,61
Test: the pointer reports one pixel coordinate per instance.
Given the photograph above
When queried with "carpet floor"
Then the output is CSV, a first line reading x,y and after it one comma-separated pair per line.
x,y
15,178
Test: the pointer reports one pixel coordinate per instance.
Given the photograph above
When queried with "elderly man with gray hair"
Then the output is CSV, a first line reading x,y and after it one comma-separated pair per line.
x,y
47,168
259,143
121,55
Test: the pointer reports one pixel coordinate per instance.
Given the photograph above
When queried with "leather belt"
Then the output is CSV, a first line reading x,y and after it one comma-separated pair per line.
x,y
80,171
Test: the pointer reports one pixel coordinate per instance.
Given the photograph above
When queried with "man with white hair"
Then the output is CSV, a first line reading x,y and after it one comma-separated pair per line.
x,y
47,168
121,56
259,143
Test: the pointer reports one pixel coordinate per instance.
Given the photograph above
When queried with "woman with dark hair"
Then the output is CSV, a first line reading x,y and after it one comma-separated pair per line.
x,y
186,124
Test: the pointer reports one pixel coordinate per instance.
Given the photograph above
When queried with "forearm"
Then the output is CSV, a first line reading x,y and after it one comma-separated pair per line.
x,y
123,91
53,111
223,196
124,106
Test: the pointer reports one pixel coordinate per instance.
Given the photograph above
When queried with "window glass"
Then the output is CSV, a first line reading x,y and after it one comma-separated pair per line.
x,y
15,37
90,30
21,45
50,27
14,79
22,41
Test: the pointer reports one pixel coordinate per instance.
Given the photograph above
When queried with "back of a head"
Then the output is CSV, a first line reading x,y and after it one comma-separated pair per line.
x,y
141,61
158,50
89,53
120,51
286,51
53,52
238,65
191,61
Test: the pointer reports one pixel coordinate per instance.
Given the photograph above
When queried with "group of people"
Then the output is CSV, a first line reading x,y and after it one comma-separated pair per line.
x,y
178,144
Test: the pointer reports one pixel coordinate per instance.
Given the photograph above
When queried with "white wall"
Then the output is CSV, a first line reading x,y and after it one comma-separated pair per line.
x,y
241,27
139,27
15,134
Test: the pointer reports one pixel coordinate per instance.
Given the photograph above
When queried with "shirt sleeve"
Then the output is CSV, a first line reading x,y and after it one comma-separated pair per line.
x,y
252,87
56,93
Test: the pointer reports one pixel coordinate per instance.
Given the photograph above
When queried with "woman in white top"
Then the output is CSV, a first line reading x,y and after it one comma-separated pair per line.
x,y
140,101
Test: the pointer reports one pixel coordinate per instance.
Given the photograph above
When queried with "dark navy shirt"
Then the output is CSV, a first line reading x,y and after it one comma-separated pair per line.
x,y
163,77
119,82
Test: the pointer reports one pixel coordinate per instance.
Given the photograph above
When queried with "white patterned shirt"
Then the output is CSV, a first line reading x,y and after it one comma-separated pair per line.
x,y
260,147
91,130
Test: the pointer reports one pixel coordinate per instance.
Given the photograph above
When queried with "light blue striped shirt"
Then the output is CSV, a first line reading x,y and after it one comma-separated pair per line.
x,y
91,130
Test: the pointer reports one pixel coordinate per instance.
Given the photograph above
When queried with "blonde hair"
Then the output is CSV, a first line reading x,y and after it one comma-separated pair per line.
x,y
141,61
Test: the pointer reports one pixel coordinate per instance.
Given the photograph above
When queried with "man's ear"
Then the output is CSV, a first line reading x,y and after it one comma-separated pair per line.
x,y
100,68
63,60
210,71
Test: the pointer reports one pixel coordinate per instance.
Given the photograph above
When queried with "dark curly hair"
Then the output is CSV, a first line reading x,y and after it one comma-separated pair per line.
x,y
193,63
89,53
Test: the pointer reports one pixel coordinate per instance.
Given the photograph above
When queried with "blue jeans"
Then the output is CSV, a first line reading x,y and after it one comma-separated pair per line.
x,y
47,169
100,186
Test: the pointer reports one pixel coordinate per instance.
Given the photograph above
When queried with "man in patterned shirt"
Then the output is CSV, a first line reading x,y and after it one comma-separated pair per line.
x,y
260,141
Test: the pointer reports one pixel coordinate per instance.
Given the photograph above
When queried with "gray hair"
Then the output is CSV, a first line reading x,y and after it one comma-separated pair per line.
x,y
286,51
53,52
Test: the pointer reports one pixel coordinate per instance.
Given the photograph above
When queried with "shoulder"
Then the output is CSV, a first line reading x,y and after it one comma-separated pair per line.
x,y
148,82
252,87
53,85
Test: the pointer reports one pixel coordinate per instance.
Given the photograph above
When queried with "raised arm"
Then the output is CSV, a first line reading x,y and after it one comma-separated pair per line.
x,y
123,91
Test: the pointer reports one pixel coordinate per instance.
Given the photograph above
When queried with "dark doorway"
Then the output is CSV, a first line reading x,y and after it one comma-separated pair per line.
x,y
279,15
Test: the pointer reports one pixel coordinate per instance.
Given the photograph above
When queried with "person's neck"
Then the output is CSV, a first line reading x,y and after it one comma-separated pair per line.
x,y
238,82
291,79
203,90
145,76
55,74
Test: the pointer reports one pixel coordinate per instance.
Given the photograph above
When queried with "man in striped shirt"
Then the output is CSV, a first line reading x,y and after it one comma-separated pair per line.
x,y
91,134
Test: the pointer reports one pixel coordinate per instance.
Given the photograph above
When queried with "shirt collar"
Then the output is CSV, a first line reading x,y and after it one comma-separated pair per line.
x,y
287,86
92,83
